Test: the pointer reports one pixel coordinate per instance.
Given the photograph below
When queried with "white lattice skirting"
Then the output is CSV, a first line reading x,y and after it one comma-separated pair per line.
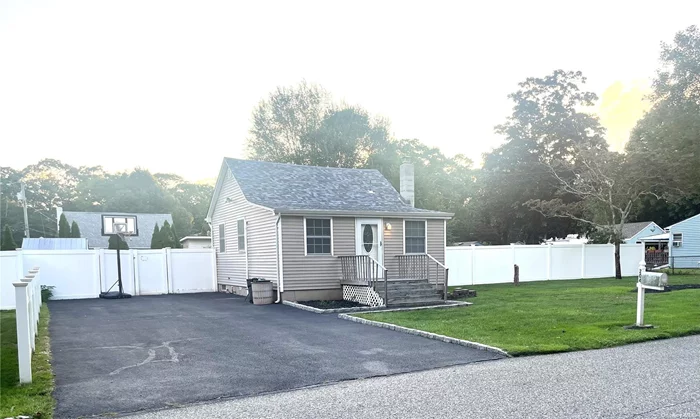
x,y
362,295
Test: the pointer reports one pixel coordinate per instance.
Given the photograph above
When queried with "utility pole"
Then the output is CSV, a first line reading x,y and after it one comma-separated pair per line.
x,y
22,197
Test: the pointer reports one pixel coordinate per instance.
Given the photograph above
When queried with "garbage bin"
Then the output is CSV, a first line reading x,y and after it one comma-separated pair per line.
x,y
262,292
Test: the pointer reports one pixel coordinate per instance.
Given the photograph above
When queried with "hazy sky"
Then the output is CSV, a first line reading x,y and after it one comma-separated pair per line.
x,y
170,86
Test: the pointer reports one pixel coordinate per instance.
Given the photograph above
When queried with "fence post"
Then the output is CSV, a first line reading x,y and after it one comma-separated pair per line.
x,y
512,248
215,279
103,270
96,272
24,351
30,309
549,261
473,246
169,270
135,270
583,260
37,294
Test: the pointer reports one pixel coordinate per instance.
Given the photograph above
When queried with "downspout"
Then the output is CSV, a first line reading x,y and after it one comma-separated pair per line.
x,y
278,249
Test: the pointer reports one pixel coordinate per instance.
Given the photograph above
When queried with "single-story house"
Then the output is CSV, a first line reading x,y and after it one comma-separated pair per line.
x,y
677,245
633,232
96,227
320,233
196,242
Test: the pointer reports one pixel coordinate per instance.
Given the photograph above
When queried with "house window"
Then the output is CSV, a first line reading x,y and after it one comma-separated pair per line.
x,y
222,239
677,239
241,234
415,237
318,236
109,220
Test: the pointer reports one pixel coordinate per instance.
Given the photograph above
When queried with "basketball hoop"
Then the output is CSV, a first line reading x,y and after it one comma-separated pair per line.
x,y
120,230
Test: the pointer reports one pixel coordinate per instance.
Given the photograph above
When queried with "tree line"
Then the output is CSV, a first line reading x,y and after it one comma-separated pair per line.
x,y
51,183
553,174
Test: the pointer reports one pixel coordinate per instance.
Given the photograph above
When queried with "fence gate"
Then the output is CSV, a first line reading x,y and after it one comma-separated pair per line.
x,y
151,271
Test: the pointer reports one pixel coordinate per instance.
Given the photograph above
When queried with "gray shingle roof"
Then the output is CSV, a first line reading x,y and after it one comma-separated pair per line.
x,y
90,224
630,229
289,187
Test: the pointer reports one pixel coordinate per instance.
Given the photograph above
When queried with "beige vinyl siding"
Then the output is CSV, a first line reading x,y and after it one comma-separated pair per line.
x,y
436,239
260,237
393,246
314,272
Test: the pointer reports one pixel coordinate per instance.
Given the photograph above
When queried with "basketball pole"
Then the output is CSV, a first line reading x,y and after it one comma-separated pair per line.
x,y
119,266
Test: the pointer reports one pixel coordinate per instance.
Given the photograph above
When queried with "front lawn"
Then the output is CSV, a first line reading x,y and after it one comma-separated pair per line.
x,y
34,399
559,316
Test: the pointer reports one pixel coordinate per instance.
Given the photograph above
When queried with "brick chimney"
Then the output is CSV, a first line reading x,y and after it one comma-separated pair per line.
x,y
406,184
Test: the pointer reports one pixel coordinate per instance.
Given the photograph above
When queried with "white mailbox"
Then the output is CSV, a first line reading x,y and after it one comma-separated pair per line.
x,y
653,280
646,280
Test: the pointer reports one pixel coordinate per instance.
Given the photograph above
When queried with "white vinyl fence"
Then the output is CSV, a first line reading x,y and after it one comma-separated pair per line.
x,y
28,303
474,265
86,273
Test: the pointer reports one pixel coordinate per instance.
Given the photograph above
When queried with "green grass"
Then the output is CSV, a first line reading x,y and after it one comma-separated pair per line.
x,y
559,316
34,399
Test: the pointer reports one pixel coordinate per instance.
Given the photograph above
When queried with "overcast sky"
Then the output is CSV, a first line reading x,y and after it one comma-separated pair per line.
x,y
170,86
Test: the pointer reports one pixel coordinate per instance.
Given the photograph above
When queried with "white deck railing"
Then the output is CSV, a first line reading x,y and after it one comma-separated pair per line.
x,y
27,309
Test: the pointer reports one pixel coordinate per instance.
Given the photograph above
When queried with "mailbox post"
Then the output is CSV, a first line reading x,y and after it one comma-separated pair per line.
x,y
646,280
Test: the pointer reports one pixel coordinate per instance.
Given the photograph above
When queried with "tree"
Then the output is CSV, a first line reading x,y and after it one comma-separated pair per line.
x,y
546,126
166,236
302,125
115,241
8,242
74,230
155,238
63,227
605,193
666,141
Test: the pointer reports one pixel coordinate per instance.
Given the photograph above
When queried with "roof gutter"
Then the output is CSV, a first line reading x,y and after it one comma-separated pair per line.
x,y
343,213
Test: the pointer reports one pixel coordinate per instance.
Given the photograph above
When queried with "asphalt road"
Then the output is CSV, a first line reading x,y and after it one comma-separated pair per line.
x,y
651,380
119,356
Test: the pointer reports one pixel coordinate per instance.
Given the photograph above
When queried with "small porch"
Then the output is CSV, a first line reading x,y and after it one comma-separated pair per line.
x,y
656,250
417,279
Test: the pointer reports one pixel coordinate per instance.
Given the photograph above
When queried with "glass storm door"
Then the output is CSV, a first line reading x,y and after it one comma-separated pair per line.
x,y
368,239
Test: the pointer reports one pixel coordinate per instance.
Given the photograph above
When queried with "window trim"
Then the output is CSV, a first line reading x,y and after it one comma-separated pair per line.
x,y
245,235
106,215
425,221
332,241
222,236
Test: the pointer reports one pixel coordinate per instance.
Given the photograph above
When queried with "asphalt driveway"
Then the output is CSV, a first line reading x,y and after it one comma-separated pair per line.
x,y
117,356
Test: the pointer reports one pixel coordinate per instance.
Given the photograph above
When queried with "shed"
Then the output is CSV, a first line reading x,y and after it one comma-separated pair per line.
x,y
42,243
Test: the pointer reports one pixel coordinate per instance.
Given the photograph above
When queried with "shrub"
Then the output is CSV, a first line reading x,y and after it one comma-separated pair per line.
x,y
46,292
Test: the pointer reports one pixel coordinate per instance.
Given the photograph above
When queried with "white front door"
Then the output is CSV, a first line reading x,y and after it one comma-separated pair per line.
x,y
369,239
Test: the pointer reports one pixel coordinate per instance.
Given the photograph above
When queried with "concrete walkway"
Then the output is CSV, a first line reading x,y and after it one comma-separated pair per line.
x,y
650,380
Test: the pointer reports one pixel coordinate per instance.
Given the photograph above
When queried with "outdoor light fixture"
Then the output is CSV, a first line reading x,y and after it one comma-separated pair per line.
x,y
387,226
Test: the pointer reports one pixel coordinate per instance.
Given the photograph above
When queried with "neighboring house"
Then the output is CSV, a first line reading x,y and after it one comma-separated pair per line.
x,y
54,243
196,242
633,232
569,239
684,240
320,233
469,243
96,227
